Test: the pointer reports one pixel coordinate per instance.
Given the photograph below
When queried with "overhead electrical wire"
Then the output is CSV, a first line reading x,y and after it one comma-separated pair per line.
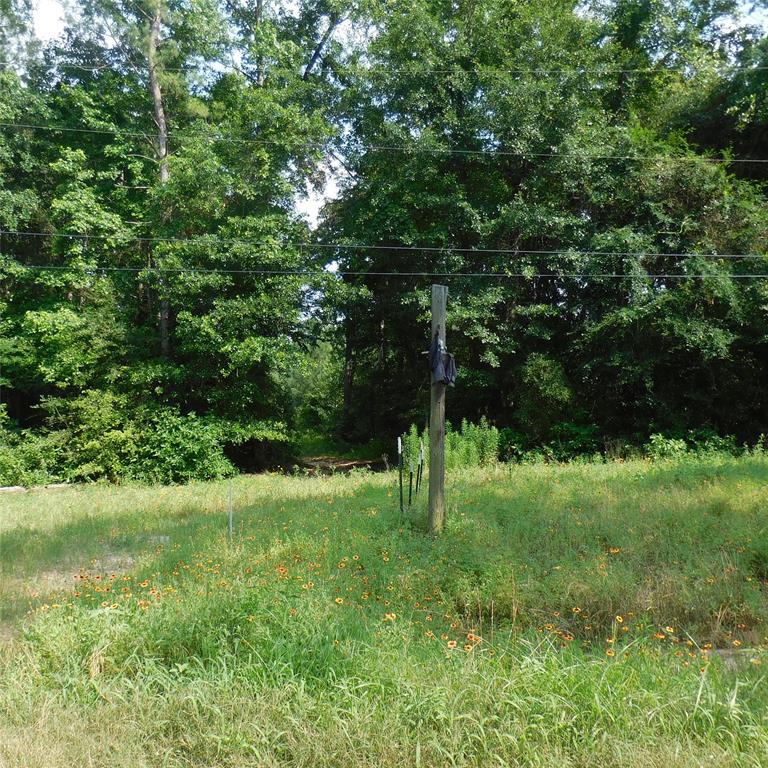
x,y
416,150
397,147
360,273
228,67
446,249
593,70
439,249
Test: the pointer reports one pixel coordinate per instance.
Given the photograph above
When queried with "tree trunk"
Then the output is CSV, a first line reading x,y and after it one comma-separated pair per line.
x,y
349,379
157,97
333,22
260,73
161,151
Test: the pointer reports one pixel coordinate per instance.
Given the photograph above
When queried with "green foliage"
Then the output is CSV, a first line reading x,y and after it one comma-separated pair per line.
x,y
707,441
660,447
512,444
473,445
572,191
695,442
88,347
177,449
314,381
568,440
544,393
99,435
95,437
25,459
562,147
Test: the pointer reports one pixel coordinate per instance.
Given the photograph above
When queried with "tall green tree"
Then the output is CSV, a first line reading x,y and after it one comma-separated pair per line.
x,y
181,142
564,159
532,142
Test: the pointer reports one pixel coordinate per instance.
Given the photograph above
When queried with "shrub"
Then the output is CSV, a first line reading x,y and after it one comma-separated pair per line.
x,y
512,444
97,435
95,432
699,442
570,440
11,466
705,441
545,395
176,448
660,447
26,458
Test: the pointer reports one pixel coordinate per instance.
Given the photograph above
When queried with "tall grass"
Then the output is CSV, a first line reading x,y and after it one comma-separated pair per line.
x,y
472,445
571,615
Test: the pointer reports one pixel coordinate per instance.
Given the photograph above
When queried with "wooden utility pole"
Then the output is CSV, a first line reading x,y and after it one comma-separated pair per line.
x,y
437,421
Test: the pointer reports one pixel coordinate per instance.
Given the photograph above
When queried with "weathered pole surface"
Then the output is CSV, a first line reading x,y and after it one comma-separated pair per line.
x,y
437,422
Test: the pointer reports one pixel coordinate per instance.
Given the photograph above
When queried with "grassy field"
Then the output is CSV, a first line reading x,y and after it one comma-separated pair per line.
x,y
580,615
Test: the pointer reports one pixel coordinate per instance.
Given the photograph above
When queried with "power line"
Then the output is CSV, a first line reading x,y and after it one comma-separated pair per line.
x,y
357,273
594,70
212,239
416,150
227,68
